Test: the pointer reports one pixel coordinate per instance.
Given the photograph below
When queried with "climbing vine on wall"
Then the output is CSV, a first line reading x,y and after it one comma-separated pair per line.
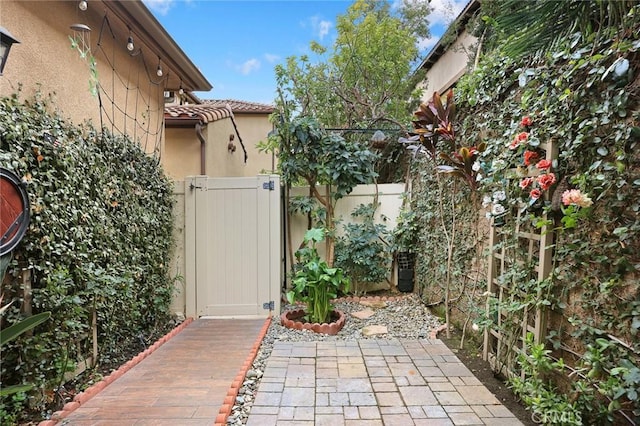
x,y
584,98
98,244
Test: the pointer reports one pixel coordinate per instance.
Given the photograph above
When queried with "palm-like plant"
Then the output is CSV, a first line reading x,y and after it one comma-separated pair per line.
x,y
534,27
15,330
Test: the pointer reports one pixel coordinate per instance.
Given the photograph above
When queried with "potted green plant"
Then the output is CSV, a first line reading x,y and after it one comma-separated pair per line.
x,y
405,239
315,284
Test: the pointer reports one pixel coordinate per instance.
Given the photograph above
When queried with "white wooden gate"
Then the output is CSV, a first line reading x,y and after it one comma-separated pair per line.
x,y
233,241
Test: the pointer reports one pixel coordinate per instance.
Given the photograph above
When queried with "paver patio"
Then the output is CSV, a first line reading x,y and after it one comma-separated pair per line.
x,y
372,382
364,382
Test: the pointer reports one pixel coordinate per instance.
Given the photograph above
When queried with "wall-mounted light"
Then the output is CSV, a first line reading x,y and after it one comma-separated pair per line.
x,y
130,45
159,70
6,40
82,5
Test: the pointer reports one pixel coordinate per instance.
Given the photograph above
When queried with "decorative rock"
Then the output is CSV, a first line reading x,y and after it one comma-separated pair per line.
x,y
364,314
374,329
254,373
375,304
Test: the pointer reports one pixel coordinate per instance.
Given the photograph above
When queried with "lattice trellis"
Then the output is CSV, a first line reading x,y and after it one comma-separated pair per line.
x,y
520,245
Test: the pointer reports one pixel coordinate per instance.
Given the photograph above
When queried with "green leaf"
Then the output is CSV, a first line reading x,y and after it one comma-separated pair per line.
x,y
10,390
18,328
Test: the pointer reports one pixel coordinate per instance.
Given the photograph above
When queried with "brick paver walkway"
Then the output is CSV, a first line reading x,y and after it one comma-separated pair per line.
x,y
183,382
188,380
372,382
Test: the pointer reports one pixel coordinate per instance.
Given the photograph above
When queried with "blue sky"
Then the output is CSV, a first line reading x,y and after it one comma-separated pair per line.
x,y
237,43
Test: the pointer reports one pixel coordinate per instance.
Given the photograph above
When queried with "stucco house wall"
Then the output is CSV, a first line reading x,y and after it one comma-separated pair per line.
x,y
44,60
450,58
254,128
226,131
449,67
131,93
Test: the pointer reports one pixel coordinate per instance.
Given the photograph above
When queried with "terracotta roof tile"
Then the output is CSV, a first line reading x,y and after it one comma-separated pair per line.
x,y
205,112
242,106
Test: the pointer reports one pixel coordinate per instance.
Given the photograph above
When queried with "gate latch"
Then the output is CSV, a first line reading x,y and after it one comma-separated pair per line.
x,y
269,185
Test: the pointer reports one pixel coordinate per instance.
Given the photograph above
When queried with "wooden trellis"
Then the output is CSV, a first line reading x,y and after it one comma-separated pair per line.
x,y
523,244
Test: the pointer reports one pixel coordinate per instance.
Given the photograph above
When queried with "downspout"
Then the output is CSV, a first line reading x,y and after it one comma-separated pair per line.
x,y
203,148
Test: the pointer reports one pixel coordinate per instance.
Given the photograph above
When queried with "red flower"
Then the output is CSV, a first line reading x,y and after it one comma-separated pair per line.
x,y
530,157
544,165
526,121
526,182
545,181
520,137
535,194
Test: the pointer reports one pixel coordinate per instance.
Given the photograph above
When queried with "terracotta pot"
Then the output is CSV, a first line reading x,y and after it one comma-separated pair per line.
x,y
293,319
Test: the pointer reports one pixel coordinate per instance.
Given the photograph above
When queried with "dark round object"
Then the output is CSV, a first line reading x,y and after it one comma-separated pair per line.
x,y
14,210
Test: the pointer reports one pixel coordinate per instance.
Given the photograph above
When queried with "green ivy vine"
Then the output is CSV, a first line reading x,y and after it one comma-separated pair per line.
x,y
585,98
98,244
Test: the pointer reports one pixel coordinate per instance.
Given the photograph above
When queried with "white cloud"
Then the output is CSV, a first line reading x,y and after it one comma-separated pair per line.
x,y
320,27
428,43
159,6
271,58
445,11
249,66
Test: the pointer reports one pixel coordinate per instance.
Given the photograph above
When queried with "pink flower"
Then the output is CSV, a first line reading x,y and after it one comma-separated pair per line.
x,y
545,181
526,121
544,165
526,182
575,197
520,137
535,194
530,157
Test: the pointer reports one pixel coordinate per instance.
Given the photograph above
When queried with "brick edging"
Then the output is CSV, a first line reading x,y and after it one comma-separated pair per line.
x,y
232,393
434,333
93,390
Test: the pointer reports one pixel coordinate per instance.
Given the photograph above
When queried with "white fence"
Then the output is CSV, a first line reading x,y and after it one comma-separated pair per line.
x,y
390,198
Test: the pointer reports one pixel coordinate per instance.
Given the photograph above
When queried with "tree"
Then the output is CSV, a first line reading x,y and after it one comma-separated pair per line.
x,y
363,81
319,158
366,79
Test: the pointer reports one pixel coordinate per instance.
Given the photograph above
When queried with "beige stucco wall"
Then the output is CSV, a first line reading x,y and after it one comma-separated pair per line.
x,y
181,157
44,60
254,128
449,67
182,149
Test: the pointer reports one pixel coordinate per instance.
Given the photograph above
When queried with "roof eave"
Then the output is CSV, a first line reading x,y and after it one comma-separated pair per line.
x,y
175,122
153,34
440,49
